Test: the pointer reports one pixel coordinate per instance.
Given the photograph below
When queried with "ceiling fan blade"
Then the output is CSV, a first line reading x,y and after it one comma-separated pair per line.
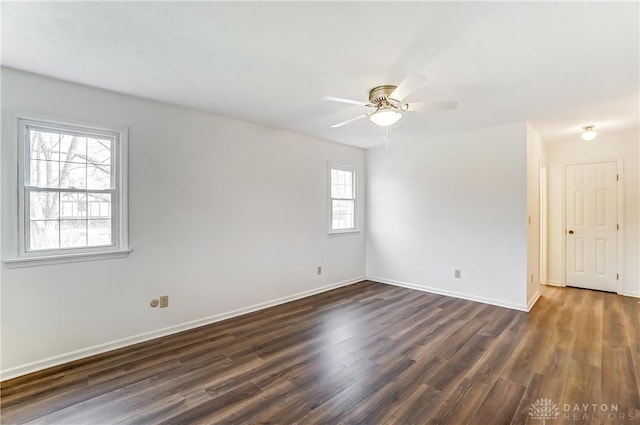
x,y
349,121
343,100
432,106
407,86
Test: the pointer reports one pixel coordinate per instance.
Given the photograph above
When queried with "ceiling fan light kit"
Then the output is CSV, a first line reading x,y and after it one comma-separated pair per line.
x,y
385,117
588,133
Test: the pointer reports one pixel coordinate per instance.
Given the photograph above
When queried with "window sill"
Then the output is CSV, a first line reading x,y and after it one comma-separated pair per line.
x,y
13,263
343,232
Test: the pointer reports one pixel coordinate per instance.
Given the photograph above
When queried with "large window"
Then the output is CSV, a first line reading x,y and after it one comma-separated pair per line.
x,y
72,198
342,182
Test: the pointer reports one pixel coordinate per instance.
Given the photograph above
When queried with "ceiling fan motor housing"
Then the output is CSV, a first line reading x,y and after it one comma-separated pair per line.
x,y
379,95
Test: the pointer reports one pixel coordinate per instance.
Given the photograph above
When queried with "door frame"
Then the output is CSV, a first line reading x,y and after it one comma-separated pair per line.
x,y
620,208
544,220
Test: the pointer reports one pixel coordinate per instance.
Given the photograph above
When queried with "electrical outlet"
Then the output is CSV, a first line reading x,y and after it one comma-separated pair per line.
x,y
164,301
319,270
457,273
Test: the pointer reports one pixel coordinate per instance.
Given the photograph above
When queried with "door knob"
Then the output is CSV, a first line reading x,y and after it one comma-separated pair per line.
x,y
571,232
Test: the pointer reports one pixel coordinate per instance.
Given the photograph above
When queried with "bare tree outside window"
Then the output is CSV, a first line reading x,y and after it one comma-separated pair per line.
x,y
70,189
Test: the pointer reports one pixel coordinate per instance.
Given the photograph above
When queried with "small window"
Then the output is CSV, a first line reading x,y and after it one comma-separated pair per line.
x,y
342,182
72,198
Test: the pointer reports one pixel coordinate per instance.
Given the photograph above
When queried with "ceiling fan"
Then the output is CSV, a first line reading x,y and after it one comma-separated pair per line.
x,y
388,103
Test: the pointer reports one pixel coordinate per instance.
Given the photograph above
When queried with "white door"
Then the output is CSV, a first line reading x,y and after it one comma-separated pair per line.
x,y
592,226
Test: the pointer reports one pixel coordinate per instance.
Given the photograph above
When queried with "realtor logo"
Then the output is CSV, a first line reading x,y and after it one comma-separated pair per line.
x,y
544,409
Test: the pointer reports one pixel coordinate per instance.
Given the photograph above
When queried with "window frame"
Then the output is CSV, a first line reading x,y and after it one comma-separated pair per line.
x,y
119,207
354,171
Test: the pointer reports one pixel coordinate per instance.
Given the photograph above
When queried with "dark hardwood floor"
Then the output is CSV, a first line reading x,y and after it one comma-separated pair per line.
x,y
363,354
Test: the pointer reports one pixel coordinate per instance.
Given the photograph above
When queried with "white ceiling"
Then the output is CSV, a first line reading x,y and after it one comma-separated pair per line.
x,y
559,65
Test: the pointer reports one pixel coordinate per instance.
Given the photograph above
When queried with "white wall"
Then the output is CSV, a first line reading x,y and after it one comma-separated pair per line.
x,y
606,147
535,155
256,233
455,202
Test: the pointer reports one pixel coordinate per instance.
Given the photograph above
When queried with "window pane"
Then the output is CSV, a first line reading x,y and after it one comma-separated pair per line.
x,y
73,205
43,205
73,148
73,233
98,177
44,173
342,184
350,220
348,184
44,145
44,235
334,182
348,191
73,175
98,151
99,232
337,191
99,205
342,214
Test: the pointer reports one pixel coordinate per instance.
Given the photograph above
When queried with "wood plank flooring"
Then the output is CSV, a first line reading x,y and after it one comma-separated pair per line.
x,y
367,353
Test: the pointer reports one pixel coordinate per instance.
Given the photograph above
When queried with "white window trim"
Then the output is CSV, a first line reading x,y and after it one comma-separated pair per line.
x,y
16,253
46,260
356,224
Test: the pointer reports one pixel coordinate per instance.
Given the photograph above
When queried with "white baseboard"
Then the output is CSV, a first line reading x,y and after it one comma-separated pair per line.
x,y
554,283
135,339
470,297
631,294
533,300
